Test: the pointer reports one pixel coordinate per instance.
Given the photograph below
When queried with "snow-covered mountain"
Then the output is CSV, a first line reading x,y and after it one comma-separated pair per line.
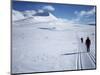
x,y
39,17
46,18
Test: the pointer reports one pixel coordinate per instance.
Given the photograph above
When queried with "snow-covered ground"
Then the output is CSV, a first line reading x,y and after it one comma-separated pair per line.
x,y
40,45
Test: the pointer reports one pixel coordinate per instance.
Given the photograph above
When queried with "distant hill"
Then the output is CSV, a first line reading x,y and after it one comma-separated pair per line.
x,y
92,24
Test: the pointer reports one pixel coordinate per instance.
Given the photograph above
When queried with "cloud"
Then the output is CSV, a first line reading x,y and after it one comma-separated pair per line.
x,y
29,13
17,15
65,20
40,11
48,8
76,12
88,13
84,15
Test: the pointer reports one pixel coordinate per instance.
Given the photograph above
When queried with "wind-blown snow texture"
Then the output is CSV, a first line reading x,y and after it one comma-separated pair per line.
x,y
45,43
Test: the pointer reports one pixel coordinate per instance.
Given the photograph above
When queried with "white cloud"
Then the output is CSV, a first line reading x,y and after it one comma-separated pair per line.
x,y
29,13
91,12
48,8
83,14
40,11
65,20
17,15
76,12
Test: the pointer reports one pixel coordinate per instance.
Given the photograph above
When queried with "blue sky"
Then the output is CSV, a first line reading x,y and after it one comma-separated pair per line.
x,y
77,13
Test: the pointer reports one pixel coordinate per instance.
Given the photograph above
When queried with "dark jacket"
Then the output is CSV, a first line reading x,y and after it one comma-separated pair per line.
x,y
88,42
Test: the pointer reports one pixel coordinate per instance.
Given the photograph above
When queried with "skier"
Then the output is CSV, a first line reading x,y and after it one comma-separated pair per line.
x,y
81,40
88,43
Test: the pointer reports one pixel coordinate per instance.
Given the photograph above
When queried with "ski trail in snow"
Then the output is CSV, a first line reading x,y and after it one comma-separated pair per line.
x,y
84,60
92,58
78,59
